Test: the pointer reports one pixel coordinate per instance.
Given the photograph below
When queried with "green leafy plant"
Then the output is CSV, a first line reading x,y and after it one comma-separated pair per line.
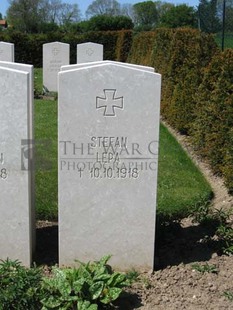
x,y
228,295
19,286
201,213
146,282
225,235
224,230
222,216
86,287
132,275
221,222
205,268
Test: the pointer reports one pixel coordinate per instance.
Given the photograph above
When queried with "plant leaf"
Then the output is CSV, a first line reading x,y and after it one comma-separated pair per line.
x,y
106,299
93,307
116,279
114,293
51,302
86,305
102,277
78,285
96,289
104,260
64,288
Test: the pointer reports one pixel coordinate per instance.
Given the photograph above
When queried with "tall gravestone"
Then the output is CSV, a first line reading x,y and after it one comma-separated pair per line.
x,y
7,52
17,229
108,156
55,55
89,52
28,146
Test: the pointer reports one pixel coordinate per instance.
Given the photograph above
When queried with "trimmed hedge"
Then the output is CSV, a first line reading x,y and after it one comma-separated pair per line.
x,y
197,90
141,50
123,46
213,127
190,52
28,47
180,56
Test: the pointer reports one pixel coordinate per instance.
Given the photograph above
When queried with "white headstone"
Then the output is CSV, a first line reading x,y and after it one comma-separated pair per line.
x,y
30,70
31,170
89,52
55,55
16,229
108,155
7,52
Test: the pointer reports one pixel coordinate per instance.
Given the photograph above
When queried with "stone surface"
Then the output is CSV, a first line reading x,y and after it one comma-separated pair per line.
x,y
7,51
30,70
77,66
16,229
55,55
30,161
108,154
89,52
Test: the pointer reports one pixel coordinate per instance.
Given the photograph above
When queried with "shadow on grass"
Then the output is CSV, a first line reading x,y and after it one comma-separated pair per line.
x,y
176,244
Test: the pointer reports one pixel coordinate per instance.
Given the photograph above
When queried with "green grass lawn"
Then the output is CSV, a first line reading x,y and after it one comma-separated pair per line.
x,y
181,186
38,80
46,159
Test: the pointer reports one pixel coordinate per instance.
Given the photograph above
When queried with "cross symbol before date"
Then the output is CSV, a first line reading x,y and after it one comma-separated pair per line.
x,y
2,159
109,102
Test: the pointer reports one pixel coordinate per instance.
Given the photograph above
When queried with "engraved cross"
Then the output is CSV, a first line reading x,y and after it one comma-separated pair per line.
x,y
89,51
55,51
109,102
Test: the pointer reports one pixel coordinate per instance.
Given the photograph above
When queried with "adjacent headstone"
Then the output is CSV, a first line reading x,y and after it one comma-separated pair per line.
x,y
30,70
16,229
78,66
7,52
108,155
89,52
28,145
55,55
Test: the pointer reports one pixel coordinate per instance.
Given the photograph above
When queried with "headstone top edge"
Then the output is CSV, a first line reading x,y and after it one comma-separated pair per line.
x,y
106,61
89,43
15,63
56,42
116,65
8,43
14,70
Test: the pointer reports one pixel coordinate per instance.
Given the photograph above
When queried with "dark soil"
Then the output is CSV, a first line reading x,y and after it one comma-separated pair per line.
x,y
46,243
